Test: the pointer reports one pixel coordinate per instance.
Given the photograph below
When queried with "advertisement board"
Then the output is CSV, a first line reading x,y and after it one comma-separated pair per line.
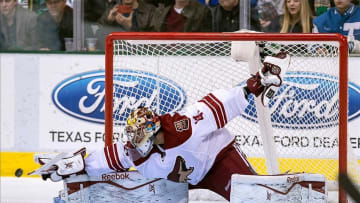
x,y
55,102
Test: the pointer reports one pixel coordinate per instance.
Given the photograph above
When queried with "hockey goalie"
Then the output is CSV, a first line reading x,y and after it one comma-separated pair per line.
x,y
192,146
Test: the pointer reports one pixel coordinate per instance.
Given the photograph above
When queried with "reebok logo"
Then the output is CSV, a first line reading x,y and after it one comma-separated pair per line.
x,y
114,176
294,179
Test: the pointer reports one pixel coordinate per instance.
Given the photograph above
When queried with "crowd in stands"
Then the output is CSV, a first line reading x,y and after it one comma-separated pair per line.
x,y
46,28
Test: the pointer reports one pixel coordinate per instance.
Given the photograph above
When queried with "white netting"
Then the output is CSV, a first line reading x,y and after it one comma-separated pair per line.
x,y
169,75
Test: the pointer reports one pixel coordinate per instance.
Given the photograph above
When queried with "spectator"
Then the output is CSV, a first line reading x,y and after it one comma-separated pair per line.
x,y
39,6
17,26
268,16
93,10
343,18
55,25
253,3
355,2
297,17
319,6
210,3
120,16
2,41
143,15
181,16
225,17
132,15
277,4
156,3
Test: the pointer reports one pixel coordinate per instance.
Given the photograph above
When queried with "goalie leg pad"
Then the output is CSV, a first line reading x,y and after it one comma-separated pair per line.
x,y
122,187
302,187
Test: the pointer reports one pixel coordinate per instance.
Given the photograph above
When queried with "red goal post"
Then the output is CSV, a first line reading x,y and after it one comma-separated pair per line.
x,y
117,46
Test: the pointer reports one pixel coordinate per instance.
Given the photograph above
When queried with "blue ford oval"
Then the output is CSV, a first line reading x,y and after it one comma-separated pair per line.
x,y
82,96
305,105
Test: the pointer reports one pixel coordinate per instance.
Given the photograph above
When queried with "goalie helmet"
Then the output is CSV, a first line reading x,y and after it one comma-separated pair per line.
x,y
141,129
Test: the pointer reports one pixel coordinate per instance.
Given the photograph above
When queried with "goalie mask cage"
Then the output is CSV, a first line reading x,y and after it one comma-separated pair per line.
x,y
307,116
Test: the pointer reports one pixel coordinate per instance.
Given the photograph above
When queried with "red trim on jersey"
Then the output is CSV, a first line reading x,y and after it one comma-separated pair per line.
x,y
217,108
106,152
212,108
118,162
222,108
112,158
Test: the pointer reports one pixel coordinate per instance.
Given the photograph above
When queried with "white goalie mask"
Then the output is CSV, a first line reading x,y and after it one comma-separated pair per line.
x,y
141,128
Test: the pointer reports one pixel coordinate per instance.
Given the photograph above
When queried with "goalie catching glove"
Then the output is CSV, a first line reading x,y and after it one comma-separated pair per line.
x,y
61,166
268,79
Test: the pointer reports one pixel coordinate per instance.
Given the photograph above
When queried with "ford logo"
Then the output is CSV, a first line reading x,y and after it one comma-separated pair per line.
x,y
82,96
354,101
301,102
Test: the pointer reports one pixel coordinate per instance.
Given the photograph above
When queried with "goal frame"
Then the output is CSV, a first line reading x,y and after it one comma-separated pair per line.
x,y
343,73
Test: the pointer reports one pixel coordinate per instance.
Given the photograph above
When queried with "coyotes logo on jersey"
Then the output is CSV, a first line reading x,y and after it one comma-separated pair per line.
x,y
182,125
180,173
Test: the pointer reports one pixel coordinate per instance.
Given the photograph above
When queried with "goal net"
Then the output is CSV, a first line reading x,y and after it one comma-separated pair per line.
x,y
306,120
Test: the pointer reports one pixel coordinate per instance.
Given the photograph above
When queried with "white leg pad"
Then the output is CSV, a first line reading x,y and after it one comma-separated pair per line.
x,y
121,187
302,187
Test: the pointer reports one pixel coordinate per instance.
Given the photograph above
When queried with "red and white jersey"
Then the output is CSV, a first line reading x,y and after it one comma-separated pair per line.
x,y
193,138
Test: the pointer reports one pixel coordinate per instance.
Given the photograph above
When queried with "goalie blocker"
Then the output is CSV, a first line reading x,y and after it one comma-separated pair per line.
x,y
267,81
301,187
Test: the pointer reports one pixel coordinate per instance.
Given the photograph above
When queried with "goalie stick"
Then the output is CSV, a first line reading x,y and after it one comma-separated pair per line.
x,y
253,57
48,167
349,187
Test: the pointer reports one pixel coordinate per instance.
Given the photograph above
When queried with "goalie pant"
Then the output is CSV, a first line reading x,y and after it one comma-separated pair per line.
x,y
197,148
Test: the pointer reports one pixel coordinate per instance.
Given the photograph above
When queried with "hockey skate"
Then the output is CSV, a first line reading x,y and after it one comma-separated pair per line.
x,y
58,167
267,81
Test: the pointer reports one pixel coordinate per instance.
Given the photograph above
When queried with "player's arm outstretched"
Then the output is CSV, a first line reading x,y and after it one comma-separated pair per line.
x,y
111,158
60,166
221,106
